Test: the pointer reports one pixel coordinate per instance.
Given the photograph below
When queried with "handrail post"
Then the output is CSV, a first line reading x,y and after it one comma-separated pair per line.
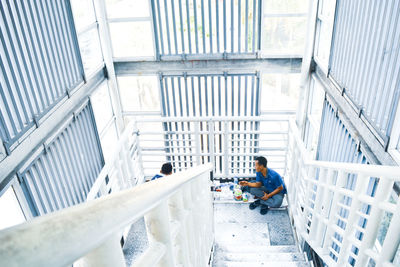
x,y
392,240
197,138
109,254
355,206
226,161
211,142
384,186
159,229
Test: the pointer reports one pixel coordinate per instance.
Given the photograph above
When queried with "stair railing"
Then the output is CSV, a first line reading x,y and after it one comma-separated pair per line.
x,y
342,222
178,213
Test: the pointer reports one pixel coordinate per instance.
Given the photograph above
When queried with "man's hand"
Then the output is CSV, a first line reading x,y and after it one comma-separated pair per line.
x,y
265,197
243,183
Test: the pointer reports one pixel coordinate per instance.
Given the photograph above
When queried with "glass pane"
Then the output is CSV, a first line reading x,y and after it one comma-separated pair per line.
x,y
83,11
109,141
132,39
11,213
89,43
127,8
280,91
139,93
285,6
284,35
317,101
323,43
102,107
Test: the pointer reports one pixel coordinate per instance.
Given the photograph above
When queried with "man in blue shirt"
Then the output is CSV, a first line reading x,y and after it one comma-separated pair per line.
x,y
166,169
268,187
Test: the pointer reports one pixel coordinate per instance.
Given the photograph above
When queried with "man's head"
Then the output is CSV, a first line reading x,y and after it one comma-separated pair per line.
x,y
261,163
166,169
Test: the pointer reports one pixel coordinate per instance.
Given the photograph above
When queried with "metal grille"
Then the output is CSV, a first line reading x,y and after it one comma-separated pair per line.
x,y
62,173
365,58
39,62
187,27
207,95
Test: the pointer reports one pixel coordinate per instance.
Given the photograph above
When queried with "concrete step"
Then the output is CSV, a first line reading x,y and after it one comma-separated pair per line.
x,y
259,257
234,248
261,264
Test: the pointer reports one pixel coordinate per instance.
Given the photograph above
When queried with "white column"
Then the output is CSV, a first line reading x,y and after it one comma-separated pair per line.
x,y
109,254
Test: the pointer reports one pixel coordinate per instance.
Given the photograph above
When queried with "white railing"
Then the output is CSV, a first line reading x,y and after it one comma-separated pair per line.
x,y
229,143
334,211
179,221
123,169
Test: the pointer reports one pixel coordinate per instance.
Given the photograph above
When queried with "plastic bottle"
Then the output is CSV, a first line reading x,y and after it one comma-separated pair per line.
x,y
235,180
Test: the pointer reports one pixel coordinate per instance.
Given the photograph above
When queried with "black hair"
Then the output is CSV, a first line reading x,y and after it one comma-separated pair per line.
x,y
166,168
262,161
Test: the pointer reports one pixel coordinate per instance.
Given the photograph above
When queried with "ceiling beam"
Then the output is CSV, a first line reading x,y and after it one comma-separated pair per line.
x,y
270,65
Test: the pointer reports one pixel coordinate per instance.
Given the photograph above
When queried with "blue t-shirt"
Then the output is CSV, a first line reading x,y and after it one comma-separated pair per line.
x,y
272,181
157,176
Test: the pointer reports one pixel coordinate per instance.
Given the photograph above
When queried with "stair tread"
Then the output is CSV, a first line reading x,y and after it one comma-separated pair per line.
x,y
260,256
260,264
232,247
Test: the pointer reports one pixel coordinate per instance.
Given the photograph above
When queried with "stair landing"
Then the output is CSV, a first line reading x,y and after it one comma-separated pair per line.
x,y
244,237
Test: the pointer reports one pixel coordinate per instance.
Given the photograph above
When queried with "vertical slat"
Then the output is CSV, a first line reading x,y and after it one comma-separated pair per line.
x,y
167,26
253,39
188,25
203,26
217,24
232,26
195,26
239,25
174,26
246,35
160,26
182,27
157,34
210,26
225,28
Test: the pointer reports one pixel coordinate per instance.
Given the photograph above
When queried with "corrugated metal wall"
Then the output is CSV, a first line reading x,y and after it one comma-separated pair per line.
x,y
335,142
211,95
206,27
62,173
365,58
39,62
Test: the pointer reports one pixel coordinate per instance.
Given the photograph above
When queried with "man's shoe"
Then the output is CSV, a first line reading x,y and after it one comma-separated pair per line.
x,y
264,209
254,205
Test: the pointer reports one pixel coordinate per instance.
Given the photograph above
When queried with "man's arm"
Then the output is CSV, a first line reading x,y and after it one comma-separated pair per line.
x,y
256,184
273,193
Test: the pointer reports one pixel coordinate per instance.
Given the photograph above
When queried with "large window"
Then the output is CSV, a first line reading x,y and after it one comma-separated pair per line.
x,y
280,91
139,93
131,28
323,36
284,27
88,35
10,210
105,119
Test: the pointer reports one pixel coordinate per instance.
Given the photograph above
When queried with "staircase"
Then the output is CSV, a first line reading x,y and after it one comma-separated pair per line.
x,y
243,237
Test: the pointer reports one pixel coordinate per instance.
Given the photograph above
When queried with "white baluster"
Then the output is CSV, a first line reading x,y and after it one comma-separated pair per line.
x,y
159,230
